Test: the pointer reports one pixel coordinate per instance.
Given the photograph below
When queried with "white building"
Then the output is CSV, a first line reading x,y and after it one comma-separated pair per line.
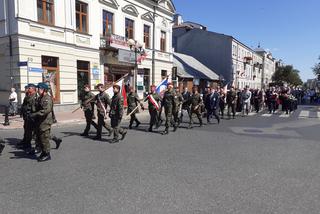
x,y
269,66
71,43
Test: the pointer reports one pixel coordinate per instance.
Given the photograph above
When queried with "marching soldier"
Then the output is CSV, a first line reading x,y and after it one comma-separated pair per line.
x,y
178,102
231,102
212,102
169,108
116,113
195,102
186,103
23,114
133,101
153,106
102,101
222,102
43,118
28,107
87,104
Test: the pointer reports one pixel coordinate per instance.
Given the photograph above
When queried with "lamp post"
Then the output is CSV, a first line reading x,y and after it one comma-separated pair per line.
x,y
136,47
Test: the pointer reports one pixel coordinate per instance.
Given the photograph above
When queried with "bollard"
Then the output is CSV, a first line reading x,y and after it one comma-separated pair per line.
x,y
6,117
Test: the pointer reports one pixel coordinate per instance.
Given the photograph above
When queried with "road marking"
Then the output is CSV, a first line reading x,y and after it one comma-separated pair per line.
x,y
284,115
304,113
252,113
266,115
313,114
318,115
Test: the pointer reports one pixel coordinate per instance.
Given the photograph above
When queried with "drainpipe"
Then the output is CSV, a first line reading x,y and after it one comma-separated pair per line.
x,y
153,44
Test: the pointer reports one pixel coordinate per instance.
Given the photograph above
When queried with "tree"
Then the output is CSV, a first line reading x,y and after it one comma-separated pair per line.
x,y
287,74
316,68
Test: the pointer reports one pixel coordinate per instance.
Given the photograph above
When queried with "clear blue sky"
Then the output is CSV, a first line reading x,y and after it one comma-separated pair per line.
x,y
290,29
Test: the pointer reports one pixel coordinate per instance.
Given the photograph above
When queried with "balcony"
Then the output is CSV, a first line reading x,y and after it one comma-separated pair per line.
x,y
114,42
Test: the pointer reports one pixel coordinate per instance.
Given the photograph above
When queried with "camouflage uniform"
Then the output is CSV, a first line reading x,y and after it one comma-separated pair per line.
x,y
102,101
115,114
196,102
133,100
87,104
178,99
43,118
169,108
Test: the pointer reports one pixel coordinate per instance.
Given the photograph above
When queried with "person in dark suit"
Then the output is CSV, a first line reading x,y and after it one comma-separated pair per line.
x,y
212,105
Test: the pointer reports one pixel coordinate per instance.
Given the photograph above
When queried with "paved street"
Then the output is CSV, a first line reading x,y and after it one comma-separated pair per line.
x,y
255,164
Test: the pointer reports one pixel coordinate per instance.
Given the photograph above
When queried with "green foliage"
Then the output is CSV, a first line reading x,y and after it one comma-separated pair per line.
x,y
287,74
316,68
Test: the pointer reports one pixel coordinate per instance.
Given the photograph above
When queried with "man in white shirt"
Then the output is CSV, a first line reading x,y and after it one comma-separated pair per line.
x,y
13,102
246,98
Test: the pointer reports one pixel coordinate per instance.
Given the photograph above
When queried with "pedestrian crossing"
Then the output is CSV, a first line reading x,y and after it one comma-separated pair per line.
x,y
280,114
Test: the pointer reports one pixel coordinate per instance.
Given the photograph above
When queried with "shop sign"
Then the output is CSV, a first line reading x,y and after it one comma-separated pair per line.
x,y
117,41
126,56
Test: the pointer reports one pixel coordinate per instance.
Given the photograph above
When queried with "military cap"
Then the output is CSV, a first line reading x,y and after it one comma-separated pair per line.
x,y
100,84
43,85
31,85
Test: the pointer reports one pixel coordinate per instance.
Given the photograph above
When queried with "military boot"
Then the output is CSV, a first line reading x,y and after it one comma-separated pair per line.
x,y
1,147
137,123
166,132
57,141
150,129
45,156
124,133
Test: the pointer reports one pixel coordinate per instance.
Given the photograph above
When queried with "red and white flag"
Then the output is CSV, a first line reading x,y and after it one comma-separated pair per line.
x,y
154,102
120,83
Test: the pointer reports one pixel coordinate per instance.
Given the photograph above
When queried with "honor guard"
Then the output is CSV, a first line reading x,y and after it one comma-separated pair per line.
x,y
87,104
231,102
169,108
153,105
102,101
43,119
195,102
133,102
178,103
116,113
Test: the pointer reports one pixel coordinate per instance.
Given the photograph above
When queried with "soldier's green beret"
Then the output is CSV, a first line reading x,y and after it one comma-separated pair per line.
x,y
43,85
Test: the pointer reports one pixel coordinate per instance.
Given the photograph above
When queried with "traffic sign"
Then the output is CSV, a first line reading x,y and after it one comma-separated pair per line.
x,y
38,70
22,63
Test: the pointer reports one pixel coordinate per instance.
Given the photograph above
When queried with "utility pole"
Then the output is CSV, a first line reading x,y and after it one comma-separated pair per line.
x,y
153,43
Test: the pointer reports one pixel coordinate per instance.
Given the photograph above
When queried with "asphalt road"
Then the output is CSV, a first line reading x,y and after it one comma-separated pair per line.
x,y
256,164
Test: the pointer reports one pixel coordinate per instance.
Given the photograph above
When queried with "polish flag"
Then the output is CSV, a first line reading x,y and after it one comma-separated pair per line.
x,y
120,83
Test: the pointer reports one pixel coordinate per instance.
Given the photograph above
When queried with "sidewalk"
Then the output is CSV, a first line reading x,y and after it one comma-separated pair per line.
x,y
63,118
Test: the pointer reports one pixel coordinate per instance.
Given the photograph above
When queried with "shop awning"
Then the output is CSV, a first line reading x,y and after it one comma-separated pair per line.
x,y
189,67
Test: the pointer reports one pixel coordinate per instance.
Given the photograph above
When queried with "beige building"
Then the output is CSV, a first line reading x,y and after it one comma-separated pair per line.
x,y
70,43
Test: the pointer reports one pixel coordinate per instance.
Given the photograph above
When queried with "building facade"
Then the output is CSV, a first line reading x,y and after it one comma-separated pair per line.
x,y
69,43
235,62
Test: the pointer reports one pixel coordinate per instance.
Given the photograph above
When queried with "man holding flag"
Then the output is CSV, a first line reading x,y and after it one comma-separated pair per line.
x,y
153,105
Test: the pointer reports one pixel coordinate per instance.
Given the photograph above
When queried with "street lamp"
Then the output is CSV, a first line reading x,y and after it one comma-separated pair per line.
x,y
137,48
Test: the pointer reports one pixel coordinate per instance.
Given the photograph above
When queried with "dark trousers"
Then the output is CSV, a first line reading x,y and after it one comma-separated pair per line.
x,y
272,105
28,132
115,125
89,115
212,113
233,110
196,112
222,107
153,117
133,118
257,105
101,123
43,139
168,113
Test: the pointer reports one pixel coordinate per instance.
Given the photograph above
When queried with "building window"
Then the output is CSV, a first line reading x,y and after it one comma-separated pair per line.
x,y
146,36
164,74
51,75
81,17
83,73
163,41
45,10
129,28
107,23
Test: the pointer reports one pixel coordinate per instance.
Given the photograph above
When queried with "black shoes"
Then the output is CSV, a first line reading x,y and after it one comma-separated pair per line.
x,y
97,138
123,135
1,147
166,132
57,141
44,157
84,134
115,140
175,128
138,124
